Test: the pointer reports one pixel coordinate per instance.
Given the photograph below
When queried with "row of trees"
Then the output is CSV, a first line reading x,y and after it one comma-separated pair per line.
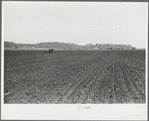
x,y
91,46
66,45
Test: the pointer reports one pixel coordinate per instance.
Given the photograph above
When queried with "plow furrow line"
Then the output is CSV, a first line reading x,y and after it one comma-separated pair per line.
x,y
130,86
138,92
90,90
125,85
89,86
71,89
95,85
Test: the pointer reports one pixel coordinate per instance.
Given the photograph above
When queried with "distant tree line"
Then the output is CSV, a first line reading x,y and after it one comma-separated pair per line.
x,y
69,46
113,46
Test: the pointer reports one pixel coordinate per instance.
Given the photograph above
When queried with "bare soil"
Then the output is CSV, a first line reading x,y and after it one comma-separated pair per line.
x,y
86,77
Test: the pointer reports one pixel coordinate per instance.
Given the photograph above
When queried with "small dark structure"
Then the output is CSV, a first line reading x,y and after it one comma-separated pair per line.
x,y
15,47
133,48
49,51
52,50
110,48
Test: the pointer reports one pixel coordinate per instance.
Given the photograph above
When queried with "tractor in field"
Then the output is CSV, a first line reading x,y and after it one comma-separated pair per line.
x,y
49,51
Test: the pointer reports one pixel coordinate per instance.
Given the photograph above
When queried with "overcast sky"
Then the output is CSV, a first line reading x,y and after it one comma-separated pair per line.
x,y
76,22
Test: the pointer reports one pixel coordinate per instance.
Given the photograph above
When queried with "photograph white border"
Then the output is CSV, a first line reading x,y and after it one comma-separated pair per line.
x,y
71,111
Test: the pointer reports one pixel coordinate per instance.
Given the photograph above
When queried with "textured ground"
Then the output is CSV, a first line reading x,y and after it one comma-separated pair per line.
x,y
74,77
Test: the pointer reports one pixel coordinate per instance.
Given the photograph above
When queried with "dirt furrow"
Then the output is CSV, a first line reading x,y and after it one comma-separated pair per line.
x,y
118,85
114,84
133,93
81,94
67,93
137,79
78,82
88,88
140,97
94,86
126,85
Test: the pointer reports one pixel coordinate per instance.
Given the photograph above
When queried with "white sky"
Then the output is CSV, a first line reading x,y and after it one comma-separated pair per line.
x,y
76,22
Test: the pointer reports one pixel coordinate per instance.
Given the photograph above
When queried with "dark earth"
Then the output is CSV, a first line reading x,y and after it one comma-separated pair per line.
x,y
71,77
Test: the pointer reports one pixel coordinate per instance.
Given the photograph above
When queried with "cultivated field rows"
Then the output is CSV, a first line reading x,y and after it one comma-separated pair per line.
x,y
72,77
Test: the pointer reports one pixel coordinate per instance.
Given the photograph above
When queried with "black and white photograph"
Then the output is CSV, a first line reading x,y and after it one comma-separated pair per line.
x,y
80,54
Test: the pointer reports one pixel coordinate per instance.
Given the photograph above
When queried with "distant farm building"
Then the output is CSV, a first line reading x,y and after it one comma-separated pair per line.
x,y
114,48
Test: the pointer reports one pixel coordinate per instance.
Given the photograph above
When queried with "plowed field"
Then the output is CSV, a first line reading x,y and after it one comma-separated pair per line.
x,y
87,77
